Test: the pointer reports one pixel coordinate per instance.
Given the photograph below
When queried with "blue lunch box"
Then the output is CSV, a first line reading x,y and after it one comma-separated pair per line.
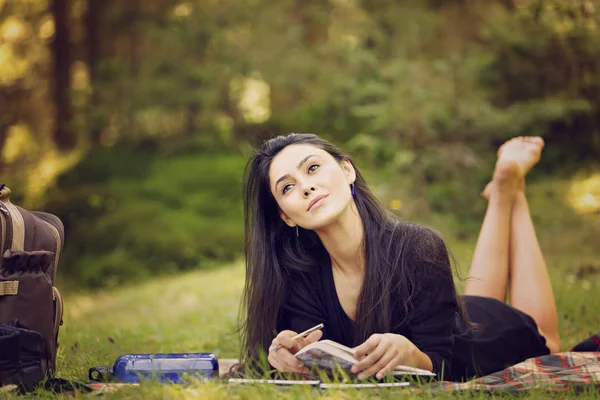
x,y
169,367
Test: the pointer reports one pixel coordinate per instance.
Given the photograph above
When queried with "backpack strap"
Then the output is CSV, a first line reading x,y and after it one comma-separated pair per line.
x,y
4,191
9,288
18,226
59,310
29,230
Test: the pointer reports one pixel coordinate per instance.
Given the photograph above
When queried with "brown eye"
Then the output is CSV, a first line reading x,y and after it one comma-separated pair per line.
x,y
311,169
285,188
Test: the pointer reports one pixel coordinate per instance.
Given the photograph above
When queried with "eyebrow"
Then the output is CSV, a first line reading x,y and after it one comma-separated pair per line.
x,y
297,167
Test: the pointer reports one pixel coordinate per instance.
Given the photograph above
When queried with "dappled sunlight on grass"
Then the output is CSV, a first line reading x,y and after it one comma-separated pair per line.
x,y
584,194
167,298
193,312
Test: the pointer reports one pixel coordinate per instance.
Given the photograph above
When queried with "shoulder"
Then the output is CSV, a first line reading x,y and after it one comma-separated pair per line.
x,y
306,276
423,258
419,243
305,285
303,300
429,269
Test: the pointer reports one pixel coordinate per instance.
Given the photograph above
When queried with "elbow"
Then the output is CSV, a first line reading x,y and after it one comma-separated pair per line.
x,y
440,366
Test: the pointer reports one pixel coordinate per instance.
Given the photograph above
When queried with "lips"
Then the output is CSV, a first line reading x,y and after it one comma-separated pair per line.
x,y
314,201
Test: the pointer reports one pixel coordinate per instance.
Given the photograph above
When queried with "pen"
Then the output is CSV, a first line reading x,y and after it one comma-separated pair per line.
x,y
298,336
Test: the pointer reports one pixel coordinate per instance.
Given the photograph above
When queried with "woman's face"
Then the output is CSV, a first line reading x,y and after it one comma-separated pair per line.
x,y
311,187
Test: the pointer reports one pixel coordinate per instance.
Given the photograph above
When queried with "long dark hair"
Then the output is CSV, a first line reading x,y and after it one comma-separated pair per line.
x,y
274,253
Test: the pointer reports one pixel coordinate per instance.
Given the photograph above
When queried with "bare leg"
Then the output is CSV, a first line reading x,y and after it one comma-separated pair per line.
x,y
530,286
527,275
488,276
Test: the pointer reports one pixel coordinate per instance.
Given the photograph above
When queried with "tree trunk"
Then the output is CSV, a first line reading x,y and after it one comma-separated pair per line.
x,y
509,4
3,134
193,109
378,11
63,135
5,122
5,118
133,17
95,120
313,16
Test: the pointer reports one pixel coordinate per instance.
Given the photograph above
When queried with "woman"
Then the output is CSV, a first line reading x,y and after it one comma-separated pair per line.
x,y
320,248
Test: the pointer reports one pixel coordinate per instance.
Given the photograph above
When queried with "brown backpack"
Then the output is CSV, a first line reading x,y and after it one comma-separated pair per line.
x,y
30,246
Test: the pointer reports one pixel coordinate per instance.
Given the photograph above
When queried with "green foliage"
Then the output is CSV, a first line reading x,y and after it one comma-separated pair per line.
x,y
148,214
420,93
546,75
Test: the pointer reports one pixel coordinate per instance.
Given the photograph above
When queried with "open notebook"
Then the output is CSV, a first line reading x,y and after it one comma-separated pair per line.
x,y
330,355
319,384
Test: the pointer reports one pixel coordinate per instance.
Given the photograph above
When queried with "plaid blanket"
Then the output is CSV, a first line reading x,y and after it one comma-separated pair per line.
x,y
556,372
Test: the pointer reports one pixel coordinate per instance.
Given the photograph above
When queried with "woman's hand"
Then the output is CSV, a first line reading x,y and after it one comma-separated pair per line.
x,y
283,358
383,352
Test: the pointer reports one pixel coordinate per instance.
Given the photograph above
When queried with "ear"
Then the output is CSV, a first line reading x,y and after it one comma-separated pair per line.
x,y
286,219
348,168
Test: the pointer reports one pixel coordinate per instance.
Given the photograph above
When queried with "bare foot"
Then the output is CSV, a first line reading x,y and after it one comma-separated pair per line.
x,y
515,158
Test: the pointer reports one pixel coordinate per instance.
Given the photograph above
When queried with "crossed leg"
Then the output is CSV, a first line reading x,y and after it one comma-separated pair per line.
x,y
507,255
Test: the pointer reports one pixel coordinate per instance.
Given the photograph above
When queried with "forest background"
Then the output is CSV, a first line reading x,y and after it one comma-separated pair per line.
x,y
133,120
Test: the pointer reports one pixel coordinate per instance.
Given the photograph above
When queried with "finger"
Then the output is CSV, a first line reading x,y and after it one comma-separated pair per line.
x,y
397,360
373,357
278,365
385,360
284,338
289,362
275,363
314,337
367,347
271,355
303,342
273,343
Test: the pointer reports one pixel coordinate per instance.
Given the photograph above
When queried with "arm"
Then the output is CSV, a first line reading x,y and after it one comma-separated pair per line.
x,y
435,311
430,327
422,360
301,310
381,353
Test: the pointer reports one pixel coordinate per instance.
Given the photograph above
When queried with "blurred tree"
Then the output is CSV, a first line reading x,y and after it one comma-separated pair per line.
x,y
417,89
546,73
96,118
25,98
64,135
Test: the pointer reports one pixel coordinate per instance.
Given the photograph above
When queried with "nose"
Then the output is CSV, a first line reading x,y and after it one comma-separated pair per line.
x,y
308,190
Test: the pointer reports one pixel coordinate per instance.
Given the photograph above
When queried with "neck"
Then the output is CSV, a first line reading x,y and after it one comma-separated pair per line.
x,y
343,240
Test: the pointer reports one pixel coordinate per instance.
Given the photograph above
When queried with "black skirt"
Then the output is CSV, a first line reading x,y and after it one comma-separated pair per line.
x,y
500,336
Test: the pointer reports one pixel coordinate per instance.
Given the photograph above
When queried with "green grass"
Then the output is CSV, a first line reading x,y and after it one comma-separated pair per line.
x,y
197,311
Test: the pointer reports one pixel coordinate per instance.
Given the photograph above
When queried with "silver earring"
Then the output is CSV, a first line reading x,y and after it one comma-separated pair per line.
x,y
297,233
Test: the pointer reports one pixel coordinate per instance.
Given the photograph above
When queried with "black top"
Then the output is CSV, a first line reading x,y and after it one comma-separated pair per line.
x,y
504,336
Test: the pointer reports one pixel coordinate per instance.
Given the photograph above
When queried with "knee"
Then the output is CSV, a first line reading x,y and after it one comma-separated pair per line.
x,y
553,344
552,341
